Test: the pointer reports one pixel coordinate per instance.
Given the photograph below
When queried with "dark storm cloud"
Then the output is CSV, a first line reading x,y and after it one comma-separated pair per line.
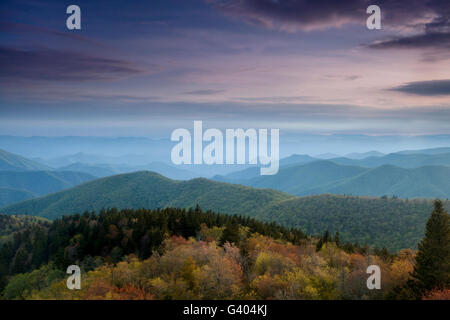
x,y
55,65
429,18
427,40
435,34
306,14
426,88
298,13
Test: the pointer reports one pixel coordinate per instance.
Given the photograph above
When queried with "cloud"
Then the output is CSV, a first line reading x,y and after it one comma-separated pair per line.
x,y
55,65
433,34
426,88
294,15
418,23
275,99
13,27
205,92
436,40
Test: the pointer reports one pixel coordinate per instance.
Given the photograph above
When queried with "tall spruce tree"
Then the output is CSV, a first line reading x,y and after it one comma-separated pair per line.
x,y
432,268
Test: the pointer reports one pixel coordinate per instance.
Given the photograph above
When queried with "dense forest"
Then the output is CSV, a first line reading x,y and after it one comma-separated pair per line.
x,y
191,254
382,221
111,234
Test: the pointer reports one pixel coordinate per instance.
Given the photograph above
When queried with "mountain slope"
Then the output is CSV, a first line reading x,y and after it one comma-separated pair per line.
x,y
14,162
9,225
424,182
149,190
298,179
167,170
321,177
42,182
254,172
393,223
105,170
399,160
426,151
92,169
363,155
9,196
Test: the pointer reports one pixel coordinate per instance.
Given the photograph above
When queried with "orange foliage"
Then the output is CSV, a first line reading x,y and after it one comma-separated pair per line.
x,y
130,292
437,294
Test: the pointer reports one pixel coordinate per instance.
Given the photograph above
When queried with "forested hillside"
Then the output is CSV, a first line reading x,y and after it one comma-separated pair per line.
x,y
10,195
20,185
9,225
112,234
150,190
298,179
322,177
394,223
190,254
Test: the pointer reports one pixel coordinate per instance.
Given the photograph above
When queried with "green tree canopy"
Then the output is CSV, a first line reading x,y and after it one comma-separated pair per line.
x,y
432,270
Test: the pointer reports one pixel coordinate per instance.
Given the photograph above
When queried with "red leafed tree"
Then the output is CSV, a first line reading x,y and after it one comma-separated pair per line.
x,y
437,295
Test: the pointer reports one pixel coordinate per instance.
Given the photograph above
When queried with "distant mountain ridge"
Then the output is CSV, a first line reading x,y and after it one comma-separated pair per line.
x,y
413,160
328,176
11,195
363,155
426,151
105,170
14,162
21,185
297,179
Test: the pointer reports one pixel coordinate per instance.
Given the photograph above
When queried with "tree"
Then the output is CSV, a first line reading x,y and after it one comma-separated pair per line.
x,y
326,237
337,239
432,270
231,233
20,262
188,273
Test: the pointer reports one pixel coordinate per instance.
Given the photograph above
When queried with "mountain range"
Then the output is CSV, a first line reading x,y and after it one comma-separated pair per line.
x,y
14,162
17,186
394,223
320,177
101,170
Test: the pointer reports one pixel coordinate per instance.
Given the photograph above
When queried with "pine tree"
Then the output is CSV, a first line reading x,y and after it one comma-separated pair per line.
x,y
231,234
337,239
319,245
326,237
432,268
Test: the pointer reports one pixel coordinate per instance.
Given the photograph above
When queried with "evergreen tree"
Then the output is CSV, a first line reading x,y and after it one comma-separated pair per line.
x,y
319,245
326,237
432,268
231,234
337,239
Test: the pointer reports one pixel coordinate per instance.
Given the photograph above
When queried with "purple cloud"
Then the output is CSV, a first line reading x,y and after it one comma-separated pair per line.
x,y
55,65
205,92
426,88
319,14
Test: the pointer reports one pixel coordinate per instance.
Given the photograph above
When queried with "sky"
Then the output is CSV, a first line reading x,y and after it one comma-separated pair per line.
x,y
145,68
